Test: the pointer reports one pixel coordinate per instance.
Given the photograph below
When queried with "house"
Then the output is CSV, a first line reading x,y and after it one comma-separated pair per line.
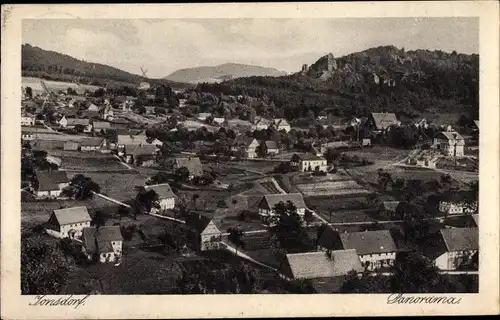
x,y
281,124
219,120
193,164
104,242
455,202
450,143
68,222
210,237
376,249
27,121
261,123
382,121
422,124
141,155
150,110
272,147
92,107
71,146
461,245
316,265
106,112
308,162
138,139
266,205
248,146
101,126
333,145
166,197
388,208
93,144
49,184
203,116
71,123
33,133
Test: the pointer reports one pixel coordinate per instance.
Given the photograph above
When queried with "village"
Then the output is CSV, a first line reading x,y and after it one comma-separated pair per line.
x,y
139,190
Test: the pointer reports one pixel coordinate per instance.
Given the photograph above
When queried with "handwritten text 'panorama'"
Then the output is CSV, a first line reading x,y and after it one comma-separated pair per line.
x,y
61,301
399,298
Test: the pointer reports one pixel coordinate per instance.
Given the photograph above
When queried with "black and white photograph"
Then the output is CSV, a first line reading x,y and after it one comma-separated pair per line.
x,y
216,156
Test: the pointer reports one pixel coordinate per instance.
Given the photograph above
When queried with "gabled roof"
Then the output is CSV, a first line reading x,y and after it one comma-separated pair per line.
x,y
308,157
198,221
295,198
328,238
244,141
476,122
193,164
162,190
124,139
475,217
100,239
384,120
390,205
452,136
72,215
101,125
138,150
91,142
369,242
271,144
211,228
281,122
75,121
313,265
48,181
459,239
262,121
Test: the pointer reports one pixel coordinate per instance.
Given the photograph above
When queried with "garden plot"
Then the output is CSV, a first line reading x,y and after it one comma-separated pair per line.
x,y
90,162
333,188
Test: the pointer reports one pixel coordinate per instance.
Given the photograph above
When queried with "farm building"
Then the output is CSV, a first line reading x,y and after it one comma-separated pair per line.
x,y
193,164
140,154
375,249
261,123
454,202
101,126
33,133
219,120
49,184
382,121
92,107
272,147
166,197
247,145
266,205
308,162
450,143
461,246
388,209
93,144
27,121
68,222
71,123
316,265
104,242
281,124
210,237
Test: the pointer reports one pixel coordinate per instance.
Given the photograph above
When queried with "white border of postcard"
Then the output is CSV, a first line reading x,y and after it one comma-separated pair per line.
x,y
15,306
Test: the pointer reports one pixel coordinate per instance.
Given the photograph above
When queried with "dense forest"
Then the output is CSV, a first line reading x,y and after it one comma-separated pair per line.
x,y
382,79
50,65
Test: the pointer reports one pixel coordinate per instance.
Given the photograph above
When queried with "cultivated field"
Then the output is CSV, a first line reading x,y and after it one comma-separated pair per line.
x,y
332,188
36,85
89,161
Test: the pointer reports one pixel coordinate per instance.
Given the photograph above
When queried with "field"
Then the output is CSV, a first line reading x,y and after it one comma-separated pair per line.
x,y
36,85
379,154
339,184
90,161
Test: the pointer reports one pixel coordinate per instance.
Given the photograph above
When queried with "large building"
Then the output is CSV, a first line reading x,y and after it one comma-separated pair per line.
x,y
166,197
308,162
450,143
68,222
266,205
103,243
461,245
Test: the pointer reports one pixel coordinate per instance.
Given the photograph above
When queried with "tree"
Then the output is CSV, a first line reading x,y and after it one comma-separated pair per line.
x,y
146,199
235,236
194,198
182,174
99,219
83,187
287,225
261,150
29,92
44,268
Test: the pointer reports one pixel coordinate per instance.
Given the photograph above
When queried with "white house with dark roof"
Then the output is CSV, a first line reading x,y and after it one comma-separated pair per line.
x,y
281,124
68,222
49,184
450,143
166,197
461,244
193,164
308,162
27,120
247,145
104,242
210,236
453,202
381,121
266,205
93,144
376,249
315,265
272,147
261,123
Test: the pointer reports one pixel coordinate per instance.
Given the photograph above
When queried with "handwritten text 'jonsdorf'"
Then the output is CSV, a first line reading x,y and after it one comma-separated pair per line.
x,y
66,301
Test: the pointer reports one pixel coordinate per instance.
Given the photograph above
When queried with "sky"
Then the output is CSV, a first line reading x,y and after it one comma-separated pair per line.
x,y
162,46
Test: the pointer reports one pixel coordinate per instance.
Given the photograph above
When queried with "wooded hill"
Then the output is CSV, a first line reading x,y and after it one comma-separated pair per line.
x,y
50,65
382,79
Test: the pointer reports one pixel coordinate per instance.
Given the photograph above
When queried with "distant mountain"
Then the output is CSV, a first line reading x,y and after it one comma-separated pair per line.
x,y
52,65
222,72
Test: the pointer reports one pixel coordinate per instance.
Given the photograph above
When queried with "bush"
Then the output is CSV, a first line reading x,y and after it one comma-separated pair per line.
x,y
242,216
221,204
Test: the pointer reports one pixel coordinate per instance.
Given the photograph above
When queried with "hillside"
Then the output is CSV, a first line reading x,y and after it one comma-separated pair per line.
x,y
221,72
383,79
50,65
